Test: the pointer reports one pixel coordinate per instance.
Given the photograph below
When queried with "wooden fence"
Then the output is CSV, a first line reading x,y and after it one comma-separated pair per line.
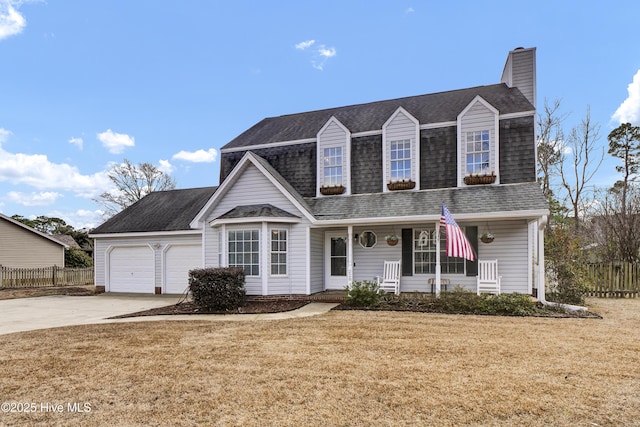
x,y
47,276
615,280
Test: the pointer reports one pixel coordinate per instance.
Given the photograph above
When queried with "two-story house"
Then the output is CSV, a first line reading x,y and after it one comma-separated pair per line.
x,y
308,202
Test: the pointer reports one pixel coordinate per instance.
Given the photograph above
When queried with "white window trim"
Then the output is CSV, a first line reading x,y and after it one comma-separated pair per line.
x,y
323,167
228,253
346,157
286,251
415,149
431,229
494,145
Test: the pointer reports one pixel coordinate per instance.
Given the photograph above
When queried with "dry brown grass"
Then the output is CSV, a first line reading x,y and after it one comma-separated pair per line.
x,y
13,293
343,368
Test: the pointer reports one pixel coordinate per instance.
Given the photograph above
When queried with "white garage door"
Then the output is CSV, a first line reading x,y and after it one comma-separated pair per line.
x,y
179,259
131,269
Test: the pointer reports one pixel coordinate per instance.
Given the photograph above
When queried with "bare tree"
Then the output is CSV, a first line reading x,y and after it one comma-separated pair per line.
x,y
616,226
132,183
583,165
549,144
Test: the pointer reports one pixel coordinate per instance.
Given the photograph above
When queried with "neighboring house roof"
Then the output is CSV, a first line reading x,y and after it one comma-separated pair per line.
x,y
159,211
67,240
33,230
257,211
469,202
439,107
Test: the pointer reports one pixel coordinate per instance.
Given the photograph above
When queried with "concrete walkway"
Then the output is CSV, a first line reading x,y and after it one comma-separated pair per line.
x,y
27,314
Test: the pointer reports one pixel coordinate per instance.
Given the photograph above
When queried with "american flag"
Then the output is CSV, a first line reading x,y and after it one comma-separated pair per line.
x,y
457,243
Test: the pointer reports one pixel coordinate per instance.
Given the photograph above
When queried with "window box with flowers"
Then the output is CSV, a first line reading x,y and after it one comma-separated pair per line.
x,y
332,190
401,185
477,179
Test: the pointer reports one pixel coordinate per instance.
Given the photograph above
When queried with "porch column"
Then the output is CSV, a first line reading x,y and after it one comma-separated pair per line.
x,y
266,259
349,255
438,278
541,273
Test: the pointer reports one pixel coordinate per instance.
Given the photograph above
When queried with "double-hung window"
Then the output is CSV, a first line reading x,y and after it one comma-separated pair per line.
x,y
278,252
332,163
424,254
477,147
244,250
400,160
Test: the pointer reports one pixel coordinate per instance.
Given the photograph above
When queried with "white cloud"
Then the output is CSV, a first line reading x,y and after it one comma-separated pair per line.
x,y
629,110
77,142
319,55
11,21
35,170
4,135
44,198
200,156
165,166
304,45
116,142
82,218
409,10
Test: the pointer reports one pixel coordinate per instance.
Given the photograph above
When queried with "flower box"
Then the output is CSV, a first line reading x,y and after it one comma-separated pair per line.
x,y
479,179
333,190
401,185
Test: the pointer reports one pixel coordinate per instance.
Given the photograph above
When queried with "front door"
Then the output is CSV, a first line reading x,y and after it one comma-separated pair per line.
x,y
336,251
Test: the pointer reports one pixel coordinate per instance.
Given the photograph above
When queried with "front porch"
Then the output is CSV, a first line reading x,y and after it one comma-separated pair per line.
x,y
340,256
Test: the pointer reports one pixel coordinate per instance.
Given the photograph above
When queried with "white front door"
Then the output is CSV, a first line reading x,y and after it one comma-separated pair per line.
x,y
336,254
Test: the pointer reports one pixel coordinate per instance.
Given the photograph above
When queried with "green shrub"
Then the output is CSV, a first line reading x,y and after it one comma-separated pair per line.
x,y
363,294
507,304
458,300
217,289
77,258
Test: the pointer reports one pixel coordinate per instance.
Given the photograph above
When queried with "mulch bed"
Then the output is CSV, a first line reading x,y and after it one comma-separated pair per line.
x,y
13,293
250,307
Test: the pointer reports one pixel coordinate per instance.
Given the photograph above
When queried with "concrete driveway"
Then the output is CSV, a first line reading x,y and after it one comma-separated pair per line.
x,y
26,314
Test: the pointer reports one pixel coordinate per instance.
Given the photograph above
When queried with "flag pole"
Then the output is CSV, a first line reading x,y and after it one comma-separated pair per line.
x,y
438,259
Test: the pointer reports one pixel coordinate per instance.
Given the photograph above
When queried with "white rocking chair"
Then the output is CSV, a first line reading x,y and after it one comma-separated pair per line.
x,y
488,279
391,277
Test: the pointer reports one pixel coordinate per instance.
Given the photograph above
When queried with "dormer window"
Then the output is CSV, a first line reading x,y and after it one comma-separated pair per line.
x,y
477,146
400,153
332,163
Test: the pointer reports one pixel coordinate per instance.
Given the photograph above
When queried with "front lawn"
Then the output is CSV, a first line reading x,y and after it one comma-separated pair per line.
x,y
341,368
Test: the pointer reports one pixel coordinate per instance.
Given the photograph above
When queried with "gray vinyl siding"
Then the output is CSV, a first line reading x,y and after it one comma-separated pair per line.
x,y
510,248
478,118
158,243
334,136
317,260
20,247
523,72
252,187
401,127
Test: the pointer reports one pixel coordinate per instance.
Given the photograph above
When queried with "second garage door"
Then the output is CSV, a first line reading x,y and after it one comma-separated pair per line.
x,y
179,259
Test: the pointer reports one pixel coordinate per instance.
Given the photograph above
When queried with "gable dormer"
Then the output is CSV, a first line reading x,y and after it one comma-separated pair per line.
x,y
334,159
478,141
401,151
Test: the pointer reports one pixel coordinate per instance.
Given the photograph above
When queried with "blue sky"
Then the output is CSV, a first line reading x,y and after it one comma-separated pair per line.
x,y
86,84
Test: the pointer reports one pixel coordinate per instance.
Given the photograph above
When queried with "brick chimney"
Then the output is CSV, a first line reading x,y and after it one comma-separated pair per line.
x,y
520,71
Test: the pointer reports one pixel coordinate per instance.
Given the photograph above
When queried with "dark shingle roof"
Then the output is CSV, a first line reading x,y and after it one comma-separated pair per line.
x,y
431,108
171,210
256,211
472,200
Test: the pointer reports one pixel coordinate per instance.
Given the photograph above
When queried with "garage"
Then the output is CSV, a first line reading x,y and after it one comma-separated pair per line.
x,y
179,259
131,269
